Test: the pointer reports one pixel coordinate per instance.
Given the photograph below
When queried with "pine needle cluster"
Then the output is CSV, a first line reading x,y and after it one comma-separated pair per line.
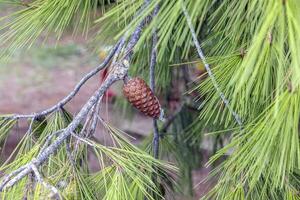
x,y
253,48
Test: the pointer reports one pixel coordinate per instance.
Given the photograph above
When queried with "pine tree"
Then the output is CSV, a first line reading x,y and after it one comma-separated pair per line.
x,y
248,95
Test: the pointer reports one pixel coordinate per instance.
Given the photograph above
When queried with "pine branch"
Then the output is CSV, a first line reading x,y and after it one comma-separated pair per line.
x,y
44,155
119,50
153,63
43,182
72,94
82,139
49,138
69,152
120,70
170,120
94,119
207,66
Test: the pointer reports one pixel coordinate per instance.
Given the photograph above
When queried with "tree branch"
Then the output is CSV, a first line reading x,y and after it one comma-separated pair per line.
x,y
76,89
153,63
207,67
47,185
120,70
44,155
170,120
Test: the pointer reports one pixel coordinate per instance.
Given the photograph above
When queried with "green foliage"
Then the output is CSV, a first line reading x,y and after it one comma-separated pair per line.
x,y
176,147
5,126
125,171
255,56
141,63
171,25
38,126
262,87
253,48
22,28
262,152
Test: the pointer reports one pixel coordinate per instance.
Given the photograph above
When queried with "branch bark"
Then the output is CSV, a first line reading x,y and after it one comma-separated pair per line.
x,y
120,70
207,66
153,63
47,185
76,89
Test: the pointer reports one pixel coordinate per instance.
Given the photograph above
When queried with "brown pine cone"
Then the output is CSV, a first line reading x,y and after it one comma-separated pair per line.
x,y
141,96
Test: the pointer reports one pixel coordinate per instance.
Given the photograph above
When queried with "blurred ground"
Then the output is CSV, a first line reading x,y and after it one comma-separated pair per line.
x,y
38,78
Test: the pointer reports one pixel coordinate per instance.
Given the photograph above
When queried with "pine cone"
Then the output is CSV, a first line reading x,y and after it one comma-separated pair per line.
x,y
141,96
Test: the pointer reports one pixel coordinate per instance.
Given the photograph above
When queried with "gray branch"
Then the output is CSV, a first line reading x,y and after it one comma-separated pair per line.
x,y
170,120
119,50
119,71
153,63
49,138
135,36
207,67
69,152
45,154
71,95
7,178
47,185
95,119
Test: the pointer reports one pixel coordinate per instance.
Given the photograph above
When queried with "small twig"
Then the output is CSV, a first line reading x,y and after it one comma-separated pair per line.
x,y
88,121
45,154
118,51
47,185
153,63
30,126
69,152
49,138
29,186
8,177
119,72
17,175
134,37
207,67
95,119
133,40
71,95
170,120
82,139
